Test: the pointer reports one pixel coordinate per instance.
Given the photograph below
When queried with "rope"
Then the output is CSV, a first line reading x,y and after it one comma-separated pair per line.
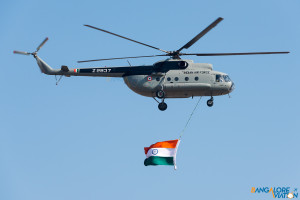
x,y
181,133
57,81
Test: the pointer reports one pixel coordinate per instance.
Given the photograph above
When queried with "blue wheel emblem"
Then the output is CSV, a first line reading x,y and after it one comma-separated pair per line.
x,y
154,151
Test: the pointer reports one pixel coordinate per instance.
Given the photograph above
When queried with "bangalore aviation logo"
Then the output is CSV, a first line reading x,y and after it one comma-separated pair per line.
x,y
277,192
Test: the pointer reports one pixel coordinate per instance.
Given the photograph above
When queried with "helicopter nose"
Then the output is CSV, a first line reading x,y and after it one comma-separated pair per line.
x,y
232,87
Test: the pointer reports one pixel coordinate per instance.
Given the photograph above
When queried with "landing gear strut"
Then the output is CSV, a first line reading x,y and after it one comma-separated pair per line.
x,y
161,105
210,102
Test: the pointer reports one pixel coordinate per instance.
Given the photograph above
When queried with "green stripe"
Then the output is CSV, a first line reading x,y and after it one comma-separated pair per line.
x,y
156,160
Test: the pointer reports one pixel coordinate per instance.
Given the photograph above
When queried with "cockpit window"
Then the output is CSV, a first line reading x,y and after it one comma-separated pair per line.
x,y
219,78
226,78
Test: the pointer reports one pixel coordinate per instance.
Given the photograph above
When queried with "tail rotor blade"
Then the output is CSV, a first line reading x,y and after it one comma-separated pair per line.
x,y
22,52
42,44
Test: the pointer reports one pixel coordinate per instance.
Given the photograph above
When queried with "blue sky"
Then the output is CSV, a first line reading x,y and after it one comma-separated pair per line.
x,y
84,138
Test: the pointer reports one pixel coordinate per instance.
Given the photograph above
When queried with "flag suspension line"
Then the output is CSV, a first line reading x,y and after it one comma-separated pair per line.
x,y
181,133
164,153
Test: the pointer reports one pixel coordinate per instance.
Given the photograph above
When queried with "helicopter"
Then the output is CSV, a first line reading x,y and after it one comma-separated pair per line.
x,y
170,78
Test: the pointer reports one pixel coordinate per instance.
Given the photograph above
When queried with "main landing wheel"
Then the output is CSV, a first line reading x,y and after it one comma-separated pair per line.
x,y
162,106
160,94
210,102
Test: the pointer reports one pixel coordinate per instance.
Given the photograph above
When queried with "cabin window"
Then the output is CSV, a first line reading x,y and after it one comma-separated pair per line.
x,y
196,78
186,78
219,78
168,79
157,79
176,78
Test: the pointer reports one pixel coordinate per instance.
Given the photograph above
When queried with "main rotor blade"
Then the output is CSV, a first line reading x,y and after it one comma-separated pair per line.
x,y
126,38
42,44
22,52
201,34
232,54
119,58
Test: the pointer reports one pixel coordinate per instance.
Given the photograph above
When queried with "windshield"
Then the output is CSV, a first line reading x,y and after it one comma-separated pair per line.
x,y
226,78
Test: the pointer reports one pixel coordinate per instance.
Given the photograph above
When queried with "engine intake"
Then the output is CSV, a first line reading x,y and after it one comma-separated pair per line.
x,y
183,64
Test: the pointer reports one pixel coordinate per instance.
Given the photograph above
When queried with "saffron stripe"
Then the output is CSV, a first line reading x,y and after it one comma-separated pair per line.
x,y
164,144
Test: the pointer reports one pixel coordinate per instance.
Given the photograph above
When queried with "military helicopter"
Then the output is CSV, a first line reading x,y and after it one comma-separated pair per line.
x,y
170,78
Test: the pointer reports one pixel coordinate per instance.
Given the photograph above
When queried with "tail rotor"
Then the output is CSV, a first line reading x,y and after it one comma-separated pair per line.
x,y
33,53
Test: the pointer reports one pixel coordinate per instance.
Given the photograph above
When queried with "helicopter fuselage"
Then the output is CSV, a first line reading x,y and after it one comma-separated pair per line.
x,y
177,78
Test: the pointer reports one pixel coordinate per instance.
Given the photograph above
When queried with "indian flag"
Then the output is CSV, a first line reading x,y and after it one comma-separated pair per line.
x,y
162,153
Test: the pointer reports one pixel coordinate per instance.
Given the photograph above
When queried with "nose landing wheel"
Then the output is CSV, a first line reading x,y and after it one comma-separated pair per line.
x,y
210,102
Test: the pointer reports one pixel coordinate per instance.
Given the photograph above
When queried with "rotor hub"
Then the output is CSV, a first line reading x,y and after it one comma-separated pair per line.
x,y
174,54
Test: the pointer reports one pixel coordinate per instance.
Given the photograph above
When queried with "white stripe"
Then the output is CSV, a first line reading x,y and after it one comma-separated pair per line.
x,y
162,152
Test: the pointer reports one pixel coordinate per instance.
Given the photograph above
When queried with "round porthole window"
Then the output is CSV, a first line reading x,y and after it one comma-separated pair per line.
x,y
186,78
168,79
176,78
196,78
